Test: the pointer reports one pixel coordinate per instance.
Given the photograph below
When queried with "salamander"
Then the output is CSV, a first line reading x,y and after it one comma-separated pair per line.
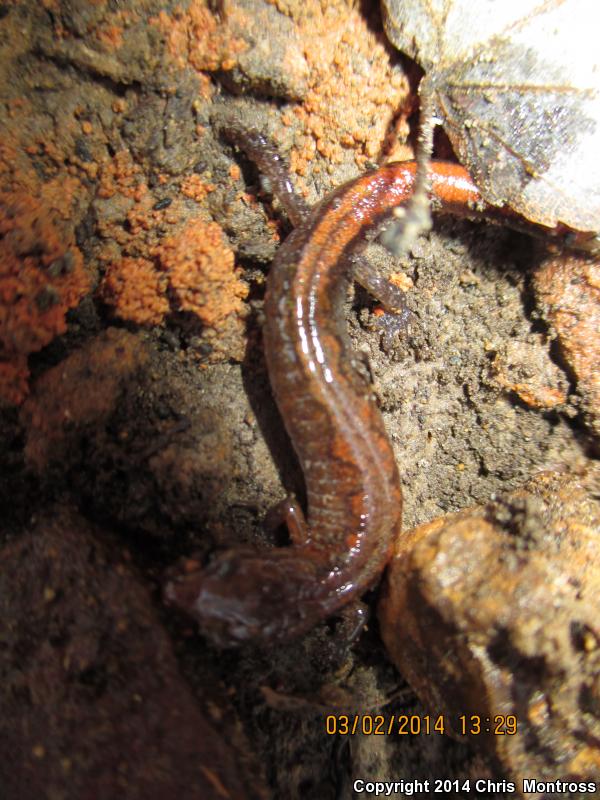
x,y
330,413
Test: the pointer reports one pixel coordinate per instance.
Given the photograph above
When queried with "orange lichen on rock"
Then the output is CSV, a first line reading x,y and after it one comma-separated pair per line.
x,y
196,37
129,218
123,176
136,291
110,36
345,92
191,271
194,271
194,187
201,272
354,90
41,269
109,33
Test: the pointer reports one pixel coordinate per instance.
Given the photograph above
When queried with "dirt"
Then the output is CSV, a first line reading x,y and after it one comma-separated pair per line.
x,y
151,423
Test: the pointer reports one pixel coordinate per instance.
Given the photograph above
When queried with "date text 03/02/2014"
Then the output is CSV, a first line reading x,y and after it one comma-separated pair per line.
x,y
419,724
443,786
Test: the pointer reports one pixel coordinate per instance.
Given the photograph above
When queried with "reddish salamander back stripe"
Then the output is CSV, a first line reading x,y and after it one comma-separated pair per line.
x,y
352,480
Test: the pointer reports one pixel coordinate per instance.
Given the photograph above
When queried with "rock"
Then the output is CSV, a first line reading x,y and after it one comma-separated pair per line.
x,y
568,291
273,65
525,370
493,612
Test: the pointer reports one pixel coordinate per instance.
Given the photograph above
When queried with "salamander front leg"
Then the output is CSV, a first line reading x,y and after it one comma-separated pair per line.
x,y
397,317
391,297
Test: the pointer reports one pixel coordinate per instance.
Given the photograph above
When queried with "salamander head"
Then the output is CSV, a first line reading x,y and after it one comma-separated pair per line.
x,y
242,596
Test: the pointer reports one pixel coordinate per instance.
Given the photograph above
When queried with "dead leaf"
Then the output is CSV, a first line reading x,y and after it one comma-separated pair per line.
x,y
516,85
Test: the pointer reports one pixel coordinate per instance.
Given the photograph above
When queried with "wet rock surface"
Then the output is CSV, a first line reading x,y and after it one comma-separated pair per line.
x,y
492,616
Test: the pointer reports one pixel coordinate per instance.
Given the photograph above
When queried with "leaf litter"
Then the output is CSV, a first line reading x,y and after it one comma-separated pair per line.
x,y
516,86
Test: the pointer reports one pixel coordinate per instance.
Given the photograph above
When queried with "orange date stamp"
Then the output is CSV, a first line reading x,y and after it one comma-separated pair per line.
x,y
419,724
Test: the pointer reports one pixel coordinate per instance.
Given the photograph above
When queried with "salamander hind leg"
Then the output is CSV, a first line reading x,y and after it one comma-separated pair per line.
x,y
288,512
